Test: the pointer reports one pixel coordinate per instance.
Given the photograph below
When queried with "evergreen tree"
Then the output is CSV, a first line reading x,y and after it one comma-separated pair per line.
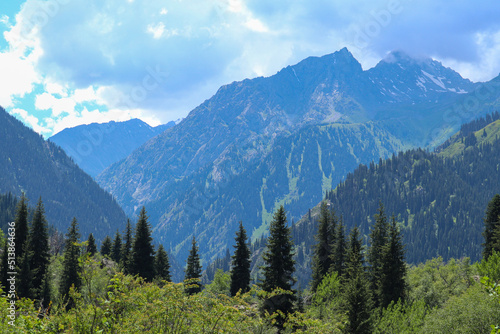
x,y
116,250
25,286
142,249
279,267
91,246
46,291
357,297
322,259
162,265
4,269
21,228
127,248
71,267
378,240
193,270
338,254
491,225
393,273
106,246
240,268
38,246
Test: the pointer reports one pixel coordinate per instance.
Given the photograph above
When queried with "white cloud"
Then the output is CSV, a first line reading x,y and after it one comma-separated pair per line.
x,y
4,19
18,77
30,120
102,52
256,25
156,30
58,106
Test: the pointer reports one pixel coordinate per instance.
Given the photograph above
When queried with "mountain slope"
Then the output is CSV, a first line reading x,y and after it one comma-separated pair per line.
x,y
39,168
297,173
438,198
182,175
95,147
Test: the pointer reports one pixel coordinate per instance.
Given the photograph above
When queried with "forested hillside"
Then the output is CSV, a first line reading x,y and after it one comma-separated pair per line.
x,y
437,198
37,167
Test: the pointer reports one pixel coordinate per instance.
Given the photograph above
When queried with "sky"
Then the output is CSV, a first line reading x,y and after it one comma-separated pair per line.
x,y
69,62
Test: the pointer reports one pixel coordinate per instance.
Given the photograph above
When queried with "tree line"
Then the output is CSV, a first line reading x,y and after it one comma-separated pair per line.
x,y
367,279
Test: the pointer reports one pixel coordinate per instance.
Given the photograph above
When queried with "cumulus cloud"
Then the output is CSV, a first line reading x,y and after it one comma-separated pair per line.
x,y
31,120
158,60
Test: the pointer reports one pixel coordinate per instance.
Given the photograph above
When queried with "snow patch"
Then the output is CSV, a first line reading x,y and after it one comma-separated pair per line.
x,y
437,81
295,74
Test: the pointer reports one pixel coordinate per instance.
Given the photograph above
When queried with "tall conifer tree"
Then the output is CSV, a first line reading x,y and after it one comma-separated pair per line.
x,y
378,240
491,226
127,248
162,265
393,273
71,266
322,256
339,249
4,269
142,249
38,246
279,267
240,269
25,286
116,250
106,246
91,246
357,298
21,227
193,270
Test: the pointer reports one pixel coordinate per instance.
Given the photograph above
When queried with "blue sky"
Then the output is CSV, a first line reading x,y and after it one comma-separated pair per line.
x,y
70,62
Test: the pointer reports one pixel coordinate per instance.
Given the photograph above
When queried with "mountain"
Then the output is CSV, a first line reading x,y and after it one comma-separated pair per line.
x,y
401,78
95,147
37,167
265,141
439,198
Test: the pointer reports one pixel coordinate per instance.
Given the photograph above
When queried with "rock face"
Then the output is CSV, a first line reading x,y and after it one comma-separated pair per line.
x,y
37,167
261,142
95,147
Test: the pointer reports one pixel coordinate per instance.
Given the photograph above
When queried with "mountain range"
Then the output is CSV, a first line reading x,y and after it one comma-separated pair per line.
x,y
286,139
95,147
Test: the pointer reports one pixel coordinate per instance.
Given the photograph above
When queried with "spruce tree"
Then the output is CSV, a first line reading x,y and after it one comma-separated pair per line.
x,y
491,225
46,291
71,267
162,265
4,269
38,246
240,268
322,259
193,270
378,240
279,267
393,273
357,298
25,286
142,249
106,246
116,249
91,246
127,248
339,250
21,228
